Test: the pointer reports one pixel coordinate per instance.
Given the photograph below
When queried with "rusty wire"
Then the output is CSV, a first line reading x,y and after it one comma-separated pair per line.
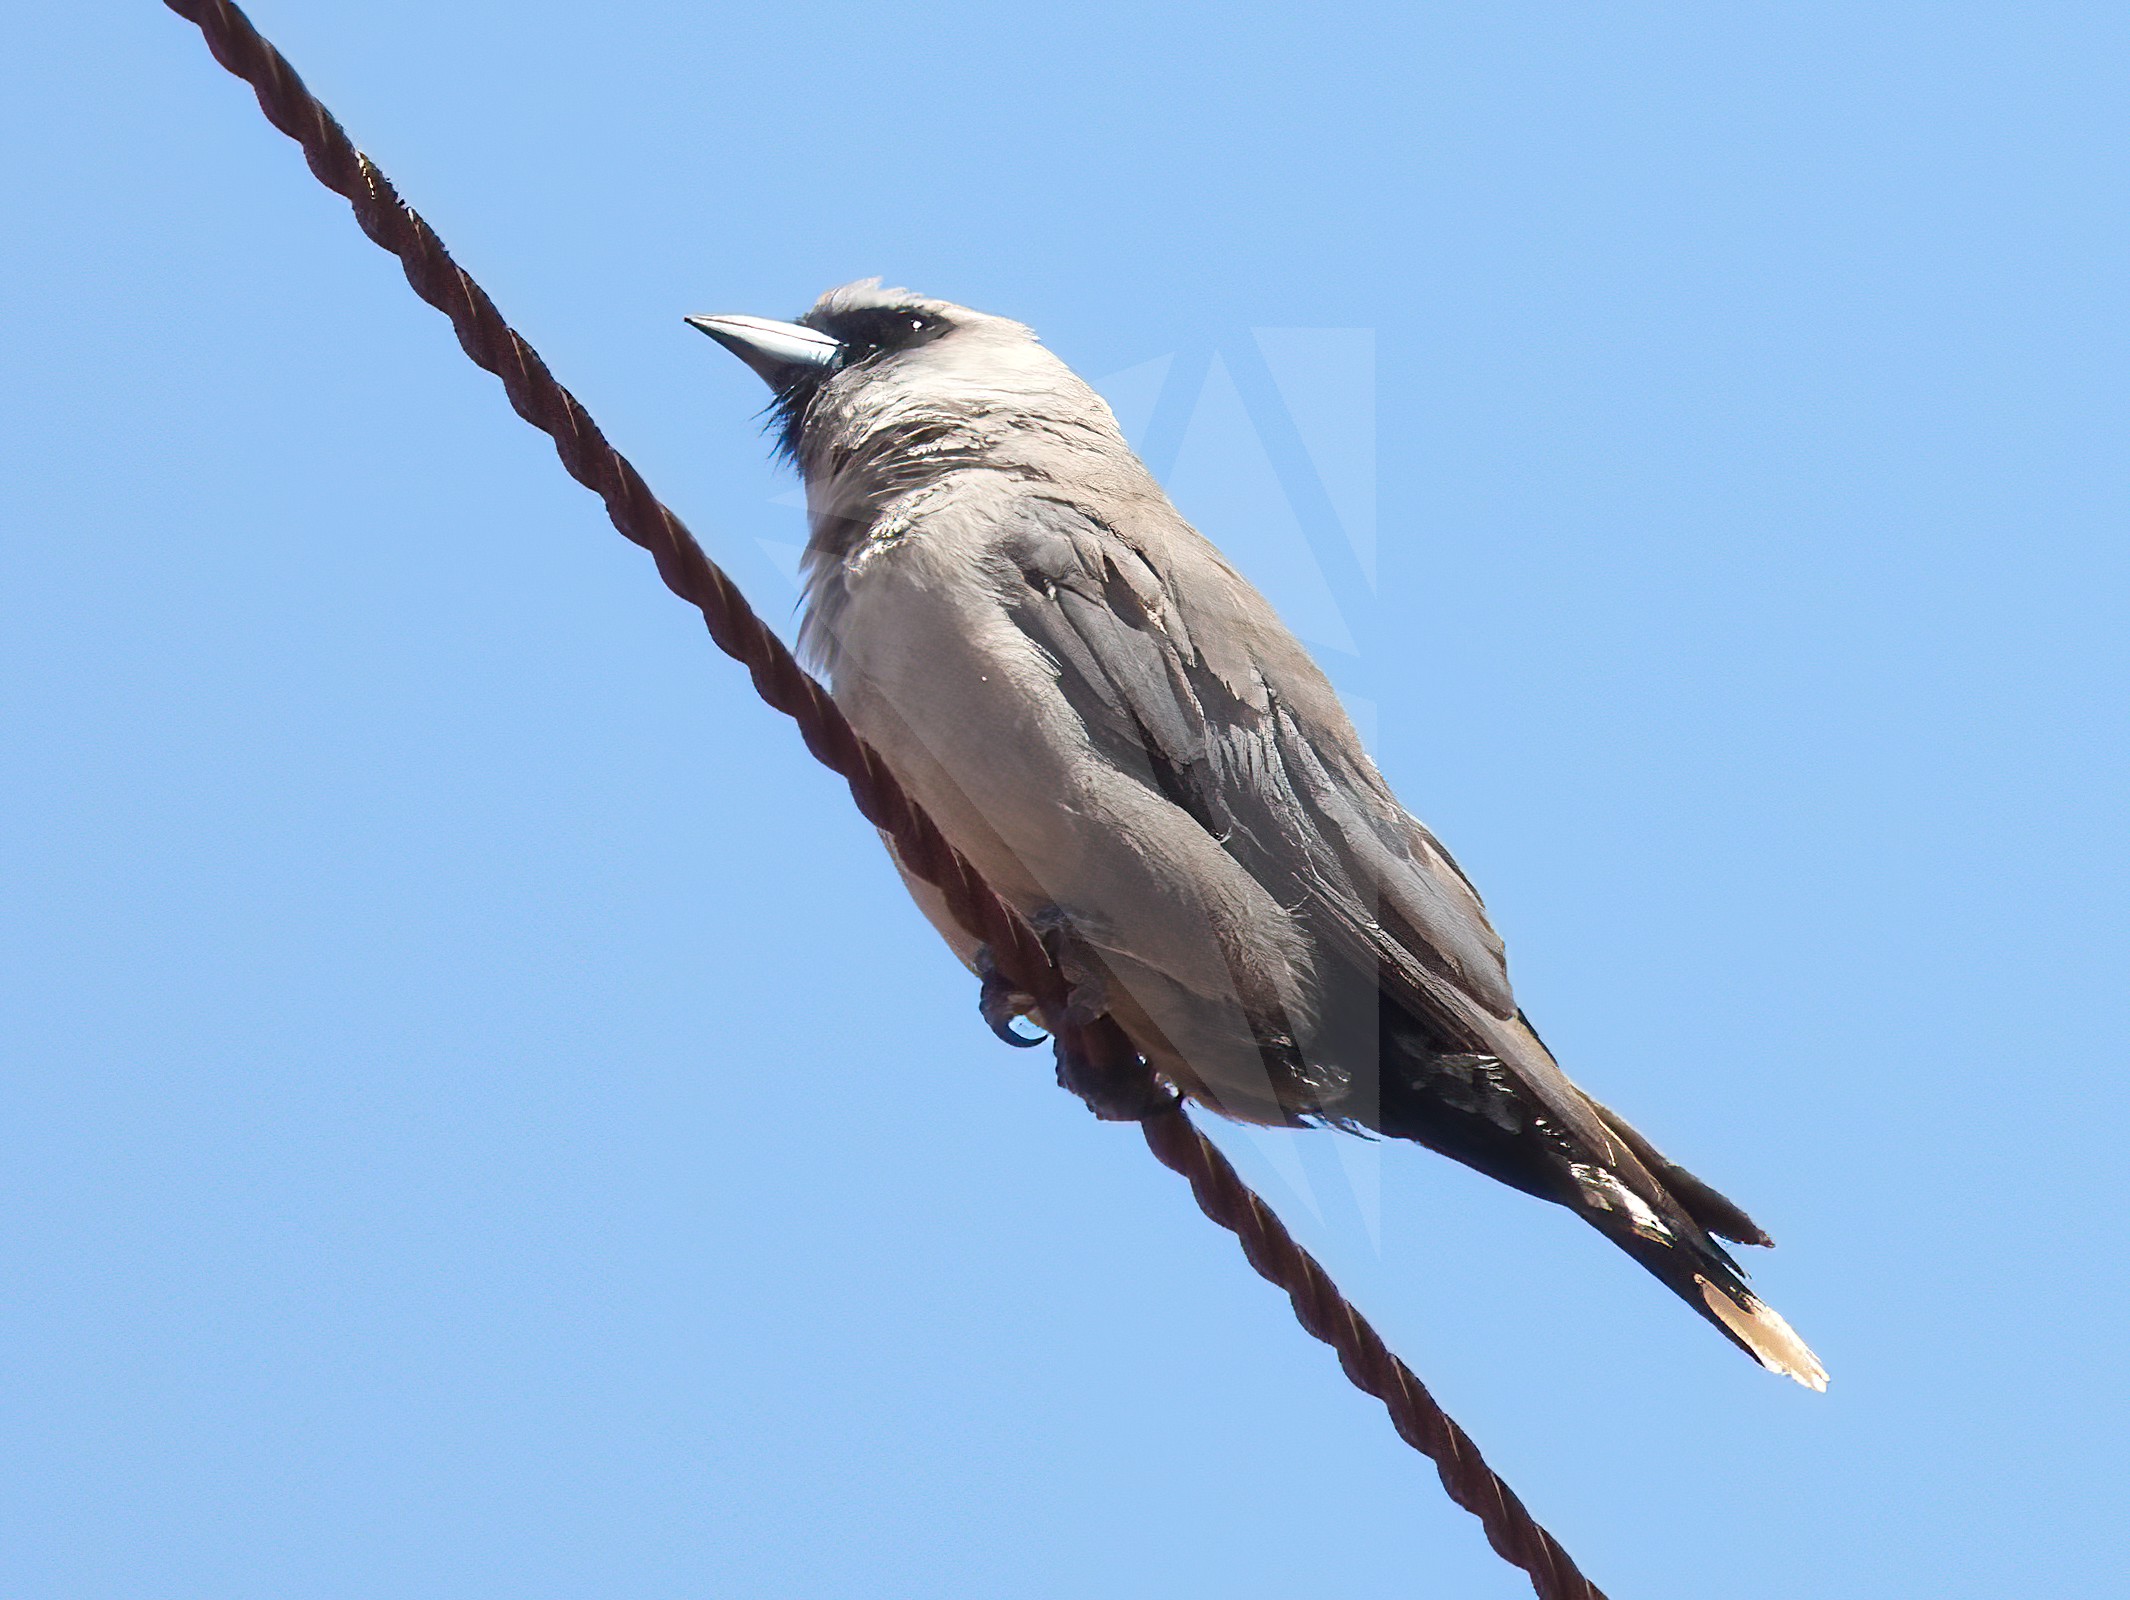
x,y
1096,1060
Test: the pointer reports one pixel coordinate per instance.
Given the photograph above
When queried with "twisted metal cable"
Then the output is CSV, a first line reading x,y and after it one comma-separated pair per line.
x,y
1517,1537
1096,1060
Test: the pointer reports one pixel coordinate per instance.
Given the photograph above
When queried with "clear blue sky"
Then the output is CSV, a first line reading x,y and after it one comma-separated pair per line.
x,y
480,1119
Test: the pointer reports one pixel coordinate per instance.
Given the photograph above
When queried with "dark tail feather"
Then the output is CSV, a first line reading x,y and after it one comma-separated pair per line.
x,y
1467,1108
1717,1213
1706,1279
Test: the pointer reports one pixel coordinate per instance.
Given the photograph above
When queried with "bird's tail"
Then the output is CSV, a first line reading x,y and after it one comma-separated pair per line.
x,y
1702,1274
1471,1109
1673,1243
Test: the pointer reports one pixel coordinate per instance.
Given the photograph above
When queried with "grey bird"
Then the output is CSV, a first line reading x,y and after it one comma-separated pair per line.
x,y
1119,733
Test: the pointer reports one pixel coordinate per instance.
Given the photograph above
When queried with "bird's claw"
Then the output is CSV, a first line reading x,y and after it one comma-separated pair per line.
x,y
1001,1005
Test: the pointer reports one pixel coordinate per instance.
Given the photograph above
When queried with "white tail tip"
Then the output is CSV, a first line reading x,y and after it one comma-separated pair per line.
x,y
1773,1342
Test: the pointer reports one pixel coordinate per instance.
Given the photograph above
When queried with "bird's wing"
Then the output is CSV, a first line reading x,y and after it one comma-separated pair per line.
x,y
1184,675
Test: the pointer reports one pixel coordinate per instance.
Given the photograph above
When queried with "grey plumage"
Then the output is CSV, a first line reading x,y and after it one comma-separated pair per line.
x,y
1118,732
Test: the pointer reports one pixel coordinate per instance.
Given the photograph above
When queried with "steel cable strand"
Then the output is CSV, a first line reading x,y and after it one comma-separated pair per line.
x,y
1097,1055
1327,1315
1368,1363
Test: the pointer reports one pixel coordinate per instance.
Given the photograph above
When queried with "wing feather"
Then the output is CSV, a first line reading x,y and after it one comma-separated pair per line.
x,y
1252,745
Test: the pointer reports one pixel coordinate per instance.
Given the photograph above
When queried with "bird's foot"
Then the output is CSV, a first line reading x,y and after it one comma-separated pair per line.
x,y
1087,988
1001,1005
1096,1059
1100,1065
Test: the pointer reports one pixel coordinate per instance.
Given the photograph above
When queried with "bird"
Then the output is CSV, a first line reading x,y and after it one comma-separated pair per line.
x,y
1117,731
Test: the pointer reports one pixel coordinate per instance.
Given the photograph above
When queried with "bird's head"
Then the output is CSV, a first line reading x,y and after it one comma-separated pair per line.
x,y
872,373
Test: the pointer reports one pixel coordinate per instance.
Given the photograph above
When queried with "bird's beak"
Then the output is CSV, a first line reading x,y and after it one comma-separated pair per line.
x,y
779,352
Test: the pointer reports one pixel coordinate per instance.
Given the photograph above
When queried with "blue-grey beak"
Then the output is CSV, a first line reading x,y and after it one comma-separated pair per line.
x,y
779,352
